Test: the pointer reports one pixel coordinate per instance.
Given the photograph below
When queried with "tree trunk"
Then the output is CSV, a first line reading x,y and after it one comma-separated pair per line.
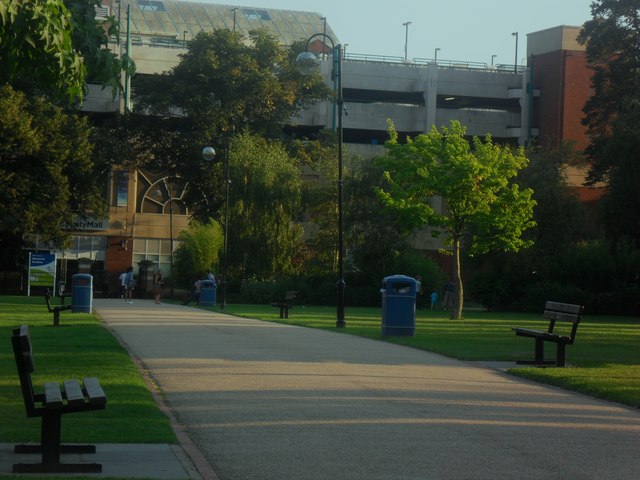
x,y
458,294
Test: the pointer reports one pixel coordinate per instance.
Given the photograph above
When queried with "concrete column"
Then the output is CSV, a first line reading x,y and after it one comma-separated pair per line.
x,y
430,96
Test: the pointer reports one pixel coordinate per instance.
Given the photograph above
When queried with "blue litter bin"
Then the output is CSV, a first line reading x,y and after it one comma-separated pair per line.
x,y
81,293
207,293
398,306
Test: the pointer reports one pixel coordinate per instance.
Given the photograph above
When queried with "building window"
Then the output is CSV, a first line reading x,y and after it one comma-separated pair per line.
x,y
151,6
121,181
156,250
85,246
253,14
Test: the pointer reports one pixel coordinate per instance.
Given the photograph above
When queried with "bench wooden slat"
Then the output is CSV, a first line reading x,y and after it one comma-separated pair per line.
x,y
94,392
73,392
52,395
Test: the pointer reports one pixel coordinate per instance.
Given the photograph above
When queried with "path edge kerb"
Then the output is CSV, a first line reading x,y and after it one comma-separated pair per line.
x,y
204,469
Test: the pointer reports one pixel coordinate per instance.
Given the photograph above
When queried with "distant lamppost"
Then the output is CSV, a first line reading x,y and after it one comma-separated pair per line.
x,y
406,38
307,63
493,57
234,10
515,61
435,54
208,154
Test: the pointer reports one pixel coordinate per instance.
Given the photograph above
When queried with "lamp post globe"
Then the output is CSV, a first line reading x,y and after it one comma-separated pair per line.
x,y
208,153
307,63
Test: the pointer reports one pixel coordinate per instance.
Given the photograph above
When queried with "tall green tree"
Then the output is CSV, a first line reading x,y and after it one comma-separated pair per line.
x,y
264,200
48,173
485,210
612,40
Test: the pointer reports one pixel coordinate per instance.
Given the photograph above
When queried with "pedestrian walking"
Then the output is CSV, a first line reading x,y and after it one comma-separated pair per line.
x,y
158,281
130,284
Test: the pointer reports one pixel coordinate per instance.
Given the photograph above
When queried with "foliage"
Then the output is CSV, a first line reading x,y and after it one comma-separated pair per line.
x,y
612,40
53,46
501,280
36,47
264,198
484,210
375,239
199,250
48,174
317,161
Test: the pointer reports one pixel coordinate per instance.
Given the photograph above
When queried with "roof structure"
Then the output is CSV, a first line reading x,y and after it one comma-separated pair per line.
x,y
182,20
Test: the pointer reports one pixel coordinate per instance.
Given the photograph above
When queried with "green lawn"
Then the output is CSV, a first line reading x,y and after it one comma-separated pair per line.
x,y
605,360
79,348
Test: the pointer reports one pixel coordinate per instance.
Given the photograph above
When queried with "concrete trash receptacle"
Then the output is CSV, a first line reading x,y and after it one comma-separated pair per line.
x,y
398,306
207,293
82,293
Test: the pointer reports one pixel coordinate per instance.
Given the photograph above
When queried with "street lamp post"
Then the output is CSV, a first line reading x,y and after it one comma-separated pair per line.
x,y
208,154
515,61
435,54
307,63
406,38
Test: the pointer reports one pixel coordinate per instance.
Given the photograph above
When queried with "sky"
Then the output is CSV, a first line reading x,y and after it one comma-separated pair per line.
x,y
463,30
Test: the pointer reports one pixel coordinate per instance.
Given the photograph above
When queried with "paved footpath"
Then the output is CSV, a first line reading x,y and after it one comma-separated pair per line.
x,y
267,401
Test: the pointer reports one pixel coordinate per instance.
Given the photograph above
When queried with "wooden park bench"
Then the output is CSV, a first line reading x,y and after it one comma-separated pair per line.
x,y
51,404
286,304
555,312
55,309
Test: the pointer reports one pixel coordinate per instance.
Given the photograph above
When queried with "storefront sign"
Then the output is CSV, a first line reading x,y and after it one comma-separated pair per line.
x,y
88,224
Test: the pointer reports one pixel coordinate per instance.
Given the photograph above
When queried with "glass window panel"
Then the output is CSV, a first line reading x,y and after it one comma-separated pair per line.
x,y
153,246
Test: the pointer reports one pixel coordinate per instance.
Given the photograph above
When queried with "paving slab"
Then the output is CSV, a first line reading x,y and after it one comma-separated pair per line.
x,y
157,461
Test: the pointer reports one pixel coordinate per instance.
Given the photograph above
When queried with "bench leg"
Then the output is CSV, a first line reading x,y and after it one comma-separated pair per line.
x,y
286,312
56,318
281,311
50,449
560,358
539,355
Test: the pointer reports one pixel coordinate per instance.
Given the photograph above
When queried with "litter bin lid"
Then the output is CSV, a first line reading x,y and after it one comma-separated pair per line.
x,y
399,283
206,283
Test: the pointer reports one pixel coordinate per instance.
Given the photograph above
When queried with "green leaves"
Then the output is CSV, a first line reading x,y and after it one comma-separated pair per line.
x,y
466,194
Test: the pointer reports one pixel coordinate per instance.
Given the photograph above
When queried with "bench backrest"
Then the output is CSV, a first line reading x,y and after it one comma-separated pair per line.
x,y
563,312
23,353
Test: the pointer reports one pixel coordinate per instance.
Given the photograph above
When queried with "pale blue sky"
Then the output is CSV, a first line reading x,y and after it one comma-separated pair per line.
x,y
464,30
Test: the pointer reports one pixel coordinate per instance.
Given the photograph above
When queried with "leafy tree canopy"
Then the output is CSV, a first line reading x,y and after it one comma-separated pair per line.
x,y
612,40
48,174
265,197
52,46
484,209
225,83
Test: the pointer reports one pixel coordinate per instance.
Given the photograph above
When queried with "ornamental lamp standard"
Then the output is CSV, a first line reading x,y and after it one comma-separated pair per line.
x,y
209,154
307,64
